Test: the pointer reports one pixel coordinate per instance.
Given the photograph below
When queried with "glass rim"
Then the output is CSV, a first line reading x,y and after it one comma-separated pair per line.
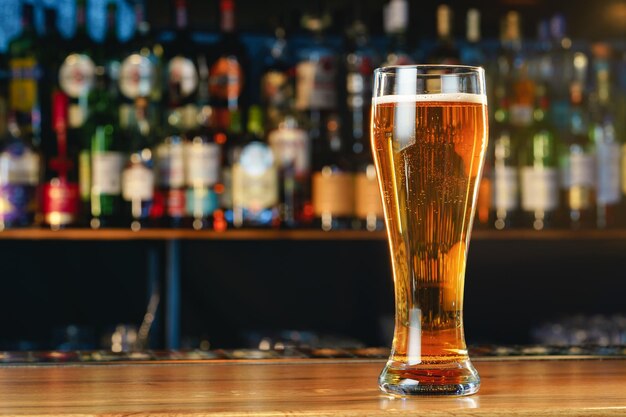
x,y
465,69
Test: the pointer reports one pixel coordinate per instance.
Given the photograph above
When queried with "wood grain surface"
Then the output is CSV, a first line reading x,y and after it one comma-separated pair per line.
x,y
305,388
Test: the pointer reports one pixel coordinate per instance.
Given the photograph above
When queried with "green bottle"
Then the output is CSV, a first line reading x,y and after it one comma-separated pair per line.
x,y
106,157
538,168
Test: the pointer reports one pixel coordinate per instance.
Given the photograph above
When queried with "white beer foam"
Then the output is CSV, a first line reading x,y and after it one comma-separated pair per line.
x,y
439,97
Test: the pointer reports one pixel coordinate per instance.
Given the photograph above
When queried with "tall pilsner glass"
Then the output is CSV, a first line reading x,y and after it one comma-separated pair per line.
x,y
429,136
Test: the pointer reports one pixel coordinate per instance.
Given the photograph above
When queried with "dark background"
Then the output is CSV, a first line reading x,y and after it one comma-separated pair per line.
x,y
343,288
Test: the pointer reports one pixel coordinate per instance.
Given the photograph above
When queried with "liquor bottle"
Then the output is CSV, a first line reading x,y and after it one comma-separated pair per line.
x,y
228,65
181,74
61,197
510,52
333,182
108,53
77,73
563,74
538,168
360,63
169,205
25,82
316,75
292,151
255,179
19,178
472,53
203,163
395,23
138,173
445,51
49,45
4,84
504,172
232,138
577,166
604,138
107,159
277,80
141,71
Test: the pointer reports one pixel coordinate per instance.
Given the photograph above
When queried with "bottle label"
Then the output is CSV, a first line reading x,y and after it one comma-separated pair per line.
x,y
201,202
182,78
202,164
521,115
137,183
19,169
608,173
254,177
23,83
84,174
60,202
17,202
175,202
539,189
333,193
77,75
170,165
276,89
226,78
76,115
106,169
291,149
505,188
315,84
367,195
137,76
577,170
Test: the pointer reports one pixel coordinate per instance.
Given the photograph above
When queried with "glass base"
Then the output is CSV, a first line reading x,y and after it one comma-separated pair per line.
x,y
450,379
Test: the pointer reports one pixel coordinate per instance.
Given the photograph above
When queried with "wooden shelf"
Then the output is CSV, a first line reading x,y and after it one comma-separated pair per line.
x,y
295,235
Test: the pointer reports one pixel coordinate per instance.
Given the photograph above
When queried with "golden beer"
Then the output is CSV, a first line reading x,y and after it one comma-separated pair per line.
x,y
429,151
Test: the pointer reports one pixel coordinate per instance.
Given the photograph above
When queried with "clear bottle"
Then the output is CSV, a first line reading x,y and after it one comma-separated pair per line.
x,y
138,173
255,179
333,181
19,178
445,51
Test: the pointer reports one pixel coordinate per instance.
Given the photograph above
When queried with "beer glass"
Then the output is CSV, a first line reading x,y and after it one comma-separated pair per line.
x,y
429,136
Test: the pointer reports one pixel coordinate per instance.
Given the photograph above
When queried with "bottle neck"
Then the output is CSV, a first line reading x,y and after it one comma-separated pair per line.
x,y
111,30
181,15
80,18
473,26
27,19
227,16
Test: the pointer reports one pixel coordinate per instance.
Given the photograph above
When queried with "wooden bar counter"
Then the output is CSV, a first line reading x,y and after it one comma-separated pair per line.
x,y
531,387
